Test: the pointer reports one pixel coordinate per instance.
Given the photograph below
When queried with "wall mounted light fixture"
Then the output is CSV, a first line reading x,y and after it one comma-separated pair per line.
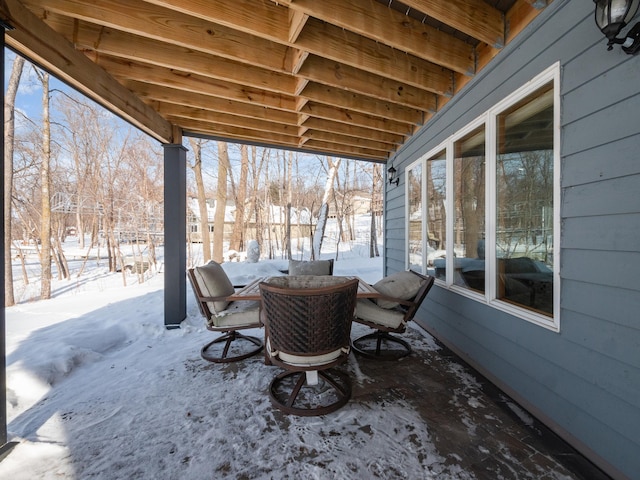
x,y
612,16
391,176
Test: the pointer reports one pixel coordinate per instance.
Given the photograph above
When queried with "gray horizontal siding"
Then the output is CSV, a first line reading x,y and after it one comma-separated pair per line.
x,y
588,166
616,232
596,300
584,380
604,268
607,197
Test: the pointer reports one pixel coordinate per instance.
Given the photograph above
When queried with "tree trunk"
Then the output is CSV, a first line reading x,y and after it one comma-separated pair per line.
x,y
288,213
202,200
237,237
9,132
324,208
221,202
373,237
45,177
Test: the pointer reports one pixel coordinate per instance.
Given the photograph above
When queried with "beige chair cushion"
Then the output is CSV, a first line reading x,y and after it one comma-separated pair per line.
x,y
305,360
237,314
402,285
315,267
307,281
213,282
369,311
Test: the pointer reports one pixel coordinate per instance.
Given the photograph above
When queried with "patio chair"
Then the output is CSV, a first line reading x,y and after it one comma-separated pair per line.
x,y
311,267
402,294
211,287
307,331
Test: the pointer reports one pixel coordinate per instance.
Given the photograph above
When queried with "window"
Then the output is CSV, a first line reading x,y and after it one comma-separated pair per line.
x,y
499,180
469,210
436,210
524,202
414,214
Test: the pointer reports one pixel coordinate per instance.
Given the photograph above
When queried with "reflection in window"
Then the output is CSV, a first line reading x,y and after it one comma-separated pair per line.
x,y
469,210
524,202
414,198
436,176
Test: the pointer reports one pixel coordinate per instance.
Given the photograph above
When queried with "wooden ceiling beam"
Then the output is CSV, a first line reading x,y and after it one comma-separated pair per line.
x,y
297,21
380,23
473,17
323,136
335,43
263,18
348,78
280,141
349,117
222,130
153,22
106,40
318,38
352,79
369,106
127,70
103,39
37,41
522,14
216,118
245,112
346,150
353,131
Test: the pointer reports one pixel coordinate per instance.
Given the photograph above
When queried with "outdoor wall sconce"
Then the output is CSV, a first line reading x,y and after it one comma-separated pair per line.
x,y
612,16
391,176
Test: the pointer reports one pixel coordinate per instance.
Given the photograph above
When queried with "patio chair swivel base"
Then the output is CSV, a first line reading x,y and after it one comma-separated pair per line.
x,y
292,393
379,346
213,355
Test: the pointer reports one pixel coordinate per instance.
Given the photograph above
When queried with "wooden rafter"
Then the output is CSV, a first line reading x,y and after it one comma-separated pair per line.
x,y
353,78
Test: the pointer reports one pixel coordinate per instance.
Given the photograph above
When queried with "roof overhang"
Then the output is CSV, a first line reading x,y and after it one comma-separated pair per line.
x,y
349,79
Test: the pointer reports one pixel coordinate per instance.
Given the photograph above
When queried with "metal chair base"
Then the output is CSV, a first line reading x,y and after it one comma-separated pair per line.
x,y
228,338
377,346
303,399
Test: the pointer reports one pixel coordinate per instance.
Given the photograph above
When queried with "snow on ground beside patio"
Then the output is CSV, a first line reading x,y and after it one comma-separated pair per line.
x,y
98,388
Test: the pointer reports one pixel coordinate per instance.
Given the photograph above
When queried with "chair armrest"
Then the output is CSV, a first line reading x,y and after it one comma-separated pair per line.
x,y
407,303
213,299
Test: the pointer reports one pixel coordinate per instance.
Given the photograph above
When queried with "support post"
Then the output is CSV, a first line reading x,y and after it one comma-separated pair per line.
x,y
175,235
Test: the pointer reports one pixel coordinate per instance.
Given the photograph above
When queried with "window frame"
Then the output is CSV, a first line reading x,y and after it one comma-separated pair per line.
x,y
488,119
423,226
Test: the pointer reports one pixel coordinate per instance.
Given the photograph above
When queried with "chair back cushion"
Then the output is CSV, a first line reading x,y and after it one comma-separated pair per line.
x,y
213,282
241,314
314,267
402,285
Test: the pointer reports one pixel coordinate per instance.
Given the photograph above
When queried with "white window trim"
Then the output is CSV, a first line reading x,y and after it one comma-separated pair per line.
x,y
489,120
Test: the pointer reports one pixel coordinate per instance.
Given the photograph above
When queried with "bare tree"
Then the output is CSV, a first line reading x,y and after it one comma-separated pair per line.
x,y
196,145
288,211
373,235
45,179
9,131
324,207
256,166
240,196
221,202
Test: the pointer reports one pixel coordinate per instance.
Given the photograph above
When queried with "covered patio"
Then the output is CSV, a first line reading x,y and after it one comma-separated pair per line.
x,y
153,408
387,81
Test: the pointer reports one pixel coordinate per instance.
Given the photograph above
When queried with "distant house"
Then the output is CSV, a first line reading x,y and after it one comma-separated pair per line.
x,y
274,218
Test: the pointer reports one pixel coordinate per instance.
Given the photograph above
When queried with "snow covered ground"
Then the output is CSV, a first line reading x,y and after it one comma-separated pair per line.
x,y
98,388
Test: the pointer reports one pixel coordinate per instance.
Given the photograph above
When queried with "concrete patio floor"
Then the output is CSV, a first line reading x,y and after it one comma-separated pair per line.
x,y
470,421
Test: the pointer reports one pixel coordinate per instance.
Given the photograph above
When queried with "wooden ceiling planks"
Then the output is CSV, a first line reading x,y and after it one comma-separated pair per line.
x,y
353,79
